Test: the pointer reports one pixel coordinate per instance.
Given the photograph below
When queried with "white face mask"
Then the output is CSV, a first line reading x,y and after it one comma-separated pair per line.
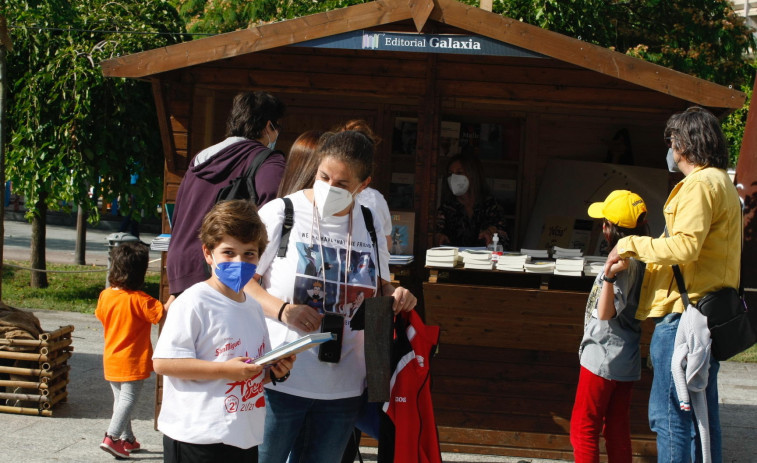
x,y
272,144
672,165
458,184
330,199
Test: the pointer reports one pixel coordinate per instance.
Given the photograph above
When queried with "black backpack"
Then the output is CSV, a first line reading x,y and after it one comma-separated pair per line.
x,y
243,187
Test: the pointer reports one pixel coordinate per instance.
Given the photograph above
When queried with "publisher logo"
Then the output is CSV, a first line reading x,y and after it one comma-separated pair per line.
x,y
370,41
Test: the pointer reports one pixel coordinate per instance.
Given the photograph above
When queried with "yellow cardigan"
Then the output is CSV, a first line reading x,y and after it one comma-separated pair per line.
x,y
703,217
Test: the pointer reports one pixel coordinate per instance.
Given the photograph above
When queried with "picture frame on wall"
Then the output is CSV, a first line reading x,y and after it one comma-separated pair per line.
x,y
403,232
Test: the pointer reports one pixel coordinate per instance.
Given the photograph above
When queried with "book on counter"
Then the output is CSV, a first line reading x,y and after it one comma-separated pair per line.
x,y
569,266
593,265
535,253
512,261
442,256
294,347
557,251
539,266
400,259
479,259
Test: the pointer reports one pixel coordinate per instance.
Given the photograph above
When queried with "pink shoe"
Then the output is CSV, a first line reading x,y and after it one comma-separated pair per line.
x,y
114,447
132,445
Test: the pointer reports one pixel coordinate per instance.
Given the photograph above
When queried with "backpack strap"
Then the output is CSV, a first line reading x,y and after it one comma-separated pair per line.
x,y
286,228
249,175
368,217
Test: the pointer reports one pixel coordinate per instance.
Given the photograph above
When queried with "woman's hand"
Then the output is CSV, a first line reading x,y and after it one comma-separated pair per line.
x,y
301,317
404,301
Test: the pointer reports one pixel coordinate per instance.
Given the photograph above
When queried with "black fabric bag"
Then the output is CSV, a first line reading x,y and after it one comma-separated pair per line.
x,y
728,319
243,187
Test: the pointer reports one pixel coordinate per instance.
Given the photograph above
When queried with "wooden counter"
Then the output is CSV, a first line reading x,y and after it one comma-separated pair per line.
x,y
507,369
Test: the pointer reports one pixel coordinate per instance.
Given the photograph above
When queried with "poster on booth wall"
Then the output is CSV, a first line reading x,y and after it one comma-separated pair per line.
x,y
403,231
569,187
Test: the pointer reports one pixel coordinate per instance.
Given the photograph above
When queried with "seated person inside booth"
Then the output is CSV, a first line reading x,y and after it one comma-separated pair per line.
x,y
469,215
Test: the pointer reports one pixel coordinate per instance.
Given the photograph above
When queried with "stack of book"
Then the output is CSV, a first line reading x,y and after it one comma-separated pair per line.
x,y
539,266
400,259
557,251
535,253
512,261
443,256
569,266
478,260
161,242
593,265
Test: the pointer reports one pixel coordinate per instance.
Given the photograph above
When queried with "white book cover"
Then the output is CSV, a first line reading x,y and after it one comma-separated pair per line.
x,y
479,266
569,273
535,253
292,348
442,251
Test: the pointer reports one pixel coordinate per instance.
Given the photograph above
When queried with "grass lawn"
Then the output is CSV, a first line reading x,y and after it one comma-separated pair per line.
x,y
78,292
70,292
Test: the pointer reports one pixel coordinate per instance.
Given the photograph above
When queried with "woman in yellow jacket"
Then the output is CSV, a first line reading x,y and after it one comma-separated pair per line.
x,y
703,220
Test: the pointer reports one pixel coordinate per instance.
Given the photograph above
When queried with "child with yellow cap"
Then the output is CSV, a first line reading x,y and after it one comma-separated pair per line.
x,y
609,351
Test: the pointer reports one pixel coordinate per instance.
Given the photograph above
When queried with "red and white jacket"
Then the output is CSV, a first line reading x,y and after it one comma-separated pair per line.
x,y
416,439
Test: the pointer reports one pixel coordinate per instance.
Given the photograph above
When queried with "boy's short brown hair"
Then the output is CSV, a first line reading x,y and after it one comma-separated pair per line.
x,y
238,219
129,265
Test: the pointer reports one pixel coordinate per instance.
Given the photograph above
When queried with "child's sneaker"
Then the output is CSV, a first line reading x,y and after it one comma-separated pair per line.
x,y
114,447
131,445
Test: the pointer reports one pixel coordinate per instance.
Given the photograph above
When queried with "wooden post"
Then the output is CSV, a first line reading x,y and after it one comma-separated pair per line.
x,y
485,5
5,44
746,184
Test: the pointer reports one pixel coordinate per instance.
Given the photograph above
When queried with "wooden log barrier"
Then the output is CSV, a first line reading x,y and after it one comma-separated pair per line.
x,y
25,410
26,371
52,347
47,405
22,397
32,357
57,333
23,384
56,361
55,374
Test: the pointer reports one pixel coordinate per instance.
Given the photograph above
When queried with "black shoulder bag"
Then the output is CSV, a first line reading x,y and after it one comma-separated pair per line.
x,y
243,187
727,316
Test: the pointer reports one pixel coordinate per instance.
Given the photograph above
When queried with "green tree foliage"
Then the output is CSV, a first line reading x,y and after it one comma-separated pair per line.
x,y
70,127
217,16
705,38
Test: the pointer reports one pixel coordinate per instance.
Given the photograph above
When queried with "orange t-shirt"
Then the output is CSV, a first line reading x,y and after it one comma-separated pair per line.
x,y
127,317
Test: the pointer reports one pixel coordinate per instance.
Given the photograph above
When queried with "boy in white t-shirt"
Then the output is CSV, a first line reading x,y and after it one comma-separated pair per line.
x,y
213,405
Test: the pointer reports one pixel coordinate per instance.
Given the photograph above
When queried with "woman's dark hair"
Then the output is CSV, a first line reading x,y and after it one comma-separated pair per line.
x,y
236,218
250,112
475,173
616,232
302,164
697,136
353,147
129,265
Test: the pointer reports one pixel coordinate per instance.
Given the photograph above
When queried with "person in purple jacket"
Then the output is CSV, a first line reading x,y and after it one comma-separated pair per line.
x,y
253,126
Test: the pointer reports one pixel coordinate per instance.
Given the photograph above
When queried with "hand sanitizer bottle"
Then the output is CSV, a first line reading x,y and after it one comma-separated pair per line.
x,y
495,248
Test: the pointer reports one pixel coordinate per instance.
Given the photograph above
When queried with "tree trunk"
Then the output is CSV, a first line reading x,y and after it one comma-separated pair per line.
x,y
39,230
81,236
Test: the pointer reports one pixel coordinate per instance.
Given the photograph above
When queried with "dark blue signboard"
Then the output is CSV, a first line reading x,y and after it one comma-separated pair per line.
x,y
419,43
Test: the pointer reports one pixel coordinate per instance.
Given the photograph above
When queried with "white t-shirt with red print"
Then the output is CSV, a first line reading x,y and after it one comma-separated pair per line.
x,y
328,273
204,324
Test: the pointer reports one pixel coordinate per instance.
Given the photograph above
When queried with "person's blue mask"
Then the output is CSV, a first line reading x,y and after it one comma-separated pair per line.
x,y
235,275
672,165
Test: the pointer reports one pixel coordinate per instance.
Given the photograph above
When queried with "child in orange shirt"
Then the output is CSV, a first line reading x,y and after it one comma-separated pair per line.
x,y
127,315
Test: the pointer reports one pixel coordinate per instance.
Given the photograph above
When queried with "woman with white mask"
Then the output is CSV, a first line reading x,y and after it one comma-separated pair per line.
x,y
311,416
468,215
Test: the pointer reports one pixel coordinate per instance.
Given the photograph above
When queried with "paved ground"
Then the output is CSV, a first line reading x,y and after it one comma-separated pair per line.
x,y
76,428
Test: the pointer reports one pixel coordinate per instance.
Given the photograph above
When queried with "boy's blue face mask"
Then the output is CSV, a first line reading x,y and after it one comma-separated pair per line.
x,y
235,275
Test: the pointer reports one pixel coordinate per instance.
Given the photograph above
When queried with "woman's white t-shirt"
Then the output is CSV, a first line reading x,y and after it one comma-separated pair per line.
x,y
323,270
204,324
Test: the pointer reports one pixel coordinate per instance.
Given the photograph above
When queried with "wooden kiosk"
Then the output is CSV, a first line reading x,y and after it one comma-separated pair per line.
x,y
427,74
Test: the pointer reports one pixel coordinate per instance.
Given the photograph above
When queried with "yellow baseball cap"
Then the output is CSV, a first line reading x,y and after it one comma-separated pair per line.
x,y
622,207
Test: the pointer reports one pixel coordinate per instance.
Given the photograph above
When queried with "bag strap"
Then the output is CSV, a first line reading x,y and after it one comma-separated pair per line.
x,y
286,228
249,174
368,217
